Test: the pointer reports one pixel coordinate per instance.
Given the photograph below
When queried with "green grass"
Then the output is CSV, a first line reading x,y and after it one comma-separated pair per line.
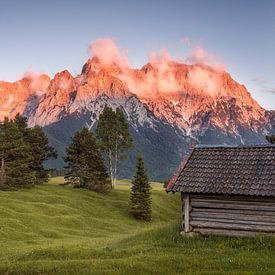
x,y
60,230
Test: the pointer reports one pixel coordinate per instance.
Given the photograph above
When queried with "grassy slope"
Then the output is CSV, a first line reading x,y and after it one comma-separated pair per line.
x,y
61,230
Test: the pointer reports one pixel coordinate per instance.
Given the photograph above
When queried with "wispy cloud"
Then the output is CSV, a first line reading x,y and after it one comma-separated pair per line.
x,y
260,80
199,55
265,84
186,41
270,90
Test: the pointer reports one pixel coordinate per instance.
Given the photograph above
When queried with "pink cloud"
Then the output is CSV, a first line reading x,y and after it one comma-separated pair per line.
x,y
186,41
160,60
160,79
199,55
260,80
38,82
205,81
108,53
160,76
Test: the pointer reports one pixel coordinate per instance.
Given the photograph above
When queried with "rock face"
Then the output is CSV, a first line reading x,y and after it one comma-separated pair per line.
x,y
168,105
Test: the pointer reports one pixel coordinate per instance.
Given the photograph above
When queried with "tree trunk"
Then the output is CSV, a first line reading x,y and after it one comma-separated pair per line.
x,y
111,168
2,175
115,168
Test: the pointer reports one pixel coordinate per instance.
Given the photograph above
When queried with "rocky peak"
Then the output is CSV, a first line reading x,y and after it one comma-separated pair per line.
x,y
94,66
62,81
148,68
185,96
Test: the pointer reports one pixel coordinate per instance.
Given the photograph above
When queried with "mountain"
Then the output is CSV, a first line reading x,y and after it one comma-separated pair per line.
x,y
168,105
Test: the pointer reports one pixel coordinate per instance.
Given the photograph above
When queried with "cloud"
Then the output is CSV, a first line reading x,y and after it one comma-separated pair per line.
x,y
38,82
160,59
265,84
270,90
9,101
159,77
108,53
198,55
205,81
260,80
165,80
186,41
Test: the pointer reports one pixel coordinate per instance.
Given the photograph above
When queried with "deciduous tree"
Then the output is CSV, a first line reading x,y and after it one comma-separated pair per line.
x,y
114,138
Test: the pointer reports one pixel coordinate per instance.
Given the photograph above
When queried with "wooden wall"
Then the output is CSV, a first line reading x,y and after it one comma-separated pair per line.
x,y
228,215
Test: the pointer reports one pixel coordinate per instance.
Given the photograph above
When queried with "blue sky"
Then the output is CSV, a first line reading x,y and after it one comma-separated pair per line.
x,y
49,36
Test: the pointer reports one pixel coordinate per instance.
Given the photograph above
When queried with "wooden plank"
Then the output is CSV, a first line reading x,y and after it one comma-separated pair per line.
x,y
186,212
263,203
223,225
208,211
232,215
226,205
233,197
230,233
241,217
234,221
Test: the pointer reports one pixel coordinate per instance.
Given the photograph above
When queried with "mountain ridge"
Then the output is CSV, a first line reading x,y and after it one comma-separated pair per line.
x,y
183,103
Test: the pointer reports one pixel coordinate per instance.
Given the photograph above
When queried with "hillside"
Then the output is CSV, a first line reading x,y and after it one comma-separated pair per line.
x,y
61,230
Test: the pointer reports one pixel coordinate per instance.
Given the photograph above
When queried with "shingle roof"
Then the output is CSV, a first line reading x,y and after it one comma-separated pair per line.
x,y
228,170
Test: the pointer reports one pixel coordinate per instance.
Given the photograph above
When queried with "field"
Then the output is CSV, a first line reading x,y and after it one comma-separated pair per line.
x,y
53,229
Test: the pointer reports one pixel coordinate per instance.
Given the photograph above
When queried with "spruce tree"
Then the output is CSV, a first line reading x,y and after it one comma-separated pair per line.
x,y
84,164
39,144
140,200
114,138
271,139
15,155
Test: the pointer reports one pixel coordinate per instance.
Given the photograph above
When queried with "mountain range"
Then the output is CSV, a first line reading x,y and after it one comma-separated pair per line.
x,y
169,105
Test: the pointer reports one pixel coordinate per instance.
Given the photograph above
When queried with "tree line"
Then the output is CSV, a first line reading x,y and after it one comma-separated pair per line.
x,y
23,152
91,159
88,152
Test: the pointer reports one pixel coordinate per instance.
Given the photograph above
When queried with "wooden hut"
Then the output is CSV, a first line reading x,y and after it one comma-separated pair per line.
x,y
228,190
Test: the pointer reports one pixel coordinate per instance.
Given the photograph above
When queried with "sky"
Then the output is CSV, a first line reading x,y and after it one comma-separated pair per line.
x,y
50,36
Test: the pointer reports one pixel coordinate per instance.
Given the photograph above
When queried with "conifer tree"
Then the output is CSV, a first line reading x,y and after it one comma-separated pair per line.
x,y
140,200
39,144
15,155
271,139
85,166
114,138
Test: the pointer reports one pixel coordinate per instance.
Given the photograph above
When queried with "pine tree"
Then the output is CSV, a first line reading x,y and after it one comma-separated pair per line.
x,y
85,166
140,200
16,157
39,144
271,139
114,138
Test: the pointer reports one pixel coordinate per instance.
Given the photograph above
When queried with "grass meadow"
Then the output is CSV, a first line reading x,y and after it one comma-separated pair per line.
x,y
54,229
